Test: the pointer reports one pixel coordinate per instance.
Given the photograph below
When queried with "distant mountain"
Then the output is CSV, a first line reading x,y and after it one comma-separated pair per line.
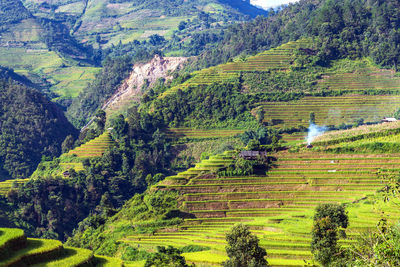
x,y
103,23
12,11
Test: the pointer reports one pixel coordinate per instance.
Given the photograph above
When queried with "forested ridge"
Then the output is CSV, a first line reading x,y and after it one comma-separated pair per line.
x,y
30,127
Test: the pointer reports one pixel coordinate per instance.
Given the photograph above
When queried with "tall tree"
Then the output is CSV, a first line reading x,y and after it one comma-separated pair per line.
x,y
329,222
243,249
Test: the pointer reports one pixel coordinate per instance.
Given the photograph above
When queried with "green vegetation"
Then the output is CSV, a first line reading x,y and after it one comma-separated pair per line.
x,y
169,256
17,250
97,92
329,220
30,127
329,72
243,248
6,185
94,148
12,11
213,106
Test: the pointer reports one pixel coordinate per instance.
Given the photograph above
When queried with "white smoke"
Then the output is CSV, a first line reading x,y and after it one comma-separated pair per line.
x,y
315,131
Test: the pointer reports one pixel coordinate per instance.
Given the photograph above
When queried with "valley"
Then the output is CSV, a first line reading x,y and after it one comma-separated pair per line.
x,y
156,133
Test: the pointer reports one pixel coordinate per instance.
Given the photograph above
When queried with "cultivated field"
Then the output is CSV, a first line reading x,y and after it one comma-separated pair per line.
x,y
330,110
93,148
278,206
201,133
278,59
8,184
18,250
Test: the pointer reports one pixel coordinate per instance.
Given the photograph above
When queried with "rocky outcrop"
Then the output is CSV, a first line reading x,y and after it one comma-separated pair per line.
x,y
144,73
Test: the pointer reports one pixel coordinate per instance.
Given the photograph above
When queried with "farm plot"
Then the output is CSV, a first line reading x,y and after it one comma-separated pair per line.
x,y
22,251
278,206
8,184
93,148
361,132
330,110
366,78
279,59
294,138
201,134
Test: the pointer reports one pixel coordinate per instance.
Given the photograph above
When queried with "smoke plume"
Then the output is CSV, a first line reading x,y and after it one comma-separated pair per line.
x,y
314,131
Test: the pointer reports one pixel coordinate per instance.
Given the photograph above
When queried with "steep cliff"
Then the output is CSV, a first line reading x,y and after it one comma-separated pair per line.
x,y
143,74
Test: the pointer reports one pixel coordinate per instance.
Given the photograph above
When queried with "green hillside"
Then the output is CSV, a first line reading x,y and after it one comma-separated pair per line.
x,y
43,51
224,145
106,23
18,250
278,206
30,127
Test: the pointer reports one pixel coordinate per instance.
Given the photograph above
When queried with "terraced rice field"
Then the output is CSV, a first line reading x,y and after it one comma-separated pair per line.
x,y
294,138
381,129
278,206
280,58
94,148
331,110
8,184
21,251
362,79
201,134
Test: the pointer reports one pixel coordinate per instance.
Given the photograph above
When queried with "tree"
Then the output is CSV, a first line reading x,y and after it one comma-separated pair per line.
x,y
100,121
182,25
68,144
243,249
260,115
169,256
376,248
312,118
329,221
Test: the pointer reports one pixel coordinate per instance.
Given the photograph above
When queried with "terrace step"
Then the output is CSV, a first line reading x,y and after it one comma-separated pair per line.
x,y
11,239
70,257
36,251
17,250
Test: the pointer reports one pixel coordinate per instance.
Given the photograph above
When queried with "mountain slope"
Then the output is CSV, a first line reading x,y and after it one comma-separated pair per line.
x,y
105,23
12,11
43,51
30,127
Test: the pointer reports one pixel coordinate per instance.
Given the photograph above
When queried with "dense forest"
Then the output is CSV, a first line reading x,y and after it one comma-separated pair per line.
x,y
30,127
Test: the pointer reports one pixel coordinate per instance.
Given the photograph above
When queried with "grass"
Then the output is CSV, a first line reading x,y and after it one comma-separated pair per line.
x,y
72,257
93,148
8,235
35,250
103,261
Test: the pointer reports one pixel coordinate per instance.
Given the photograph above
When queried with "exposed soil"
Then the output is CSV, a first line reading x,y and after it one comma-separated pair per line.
x,y
147,73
